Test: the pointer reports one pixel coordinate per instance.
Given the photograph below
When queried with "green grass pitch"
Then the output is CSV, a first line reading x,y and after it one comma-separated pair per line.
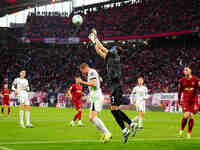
x,y
52,132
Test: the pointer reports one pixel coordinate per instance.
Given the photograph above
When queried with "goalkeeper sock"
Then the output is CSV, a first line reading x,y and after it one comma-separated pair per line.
x,y
118,119
124,117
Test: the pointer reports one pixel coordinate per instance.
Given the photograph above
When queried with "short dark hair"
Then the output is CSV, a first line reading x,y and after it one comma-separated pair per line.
x,y
119,50
140,77
23,71
83,65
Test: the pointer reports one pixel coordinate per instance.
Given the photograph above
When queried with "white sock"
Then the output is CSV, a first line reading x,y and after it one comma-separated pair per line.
x,y
140,122
100,125
27,117
135,119
21,116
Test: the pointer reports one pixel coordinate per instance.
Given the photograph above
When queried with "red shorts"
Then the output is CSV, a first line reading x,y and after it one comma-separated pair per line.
x,y
6,102
188,107
77,105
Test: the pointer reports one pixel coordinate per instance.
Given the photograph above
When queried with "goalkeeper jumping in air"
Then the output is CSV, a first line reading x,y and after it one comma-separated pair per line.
x,y
114,73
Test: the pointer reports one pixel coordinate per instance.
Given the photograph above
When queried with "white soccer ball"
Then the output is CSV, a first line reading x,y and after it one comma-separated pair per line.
x,y
77,20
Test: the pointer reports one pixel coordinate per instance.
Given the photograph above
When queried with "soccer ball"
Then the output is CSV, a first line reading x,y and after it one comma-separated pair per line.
x,y
77,20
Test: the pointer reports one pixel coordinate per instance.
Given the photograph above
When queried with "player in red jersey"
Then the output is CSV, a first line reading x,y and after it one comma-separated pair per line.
x,y
188,85
76,93
5,98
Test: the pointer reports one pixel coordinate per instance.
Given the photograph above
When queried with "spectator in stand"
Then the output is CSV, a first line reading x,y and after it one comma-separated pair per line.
x,y
51,68
139,18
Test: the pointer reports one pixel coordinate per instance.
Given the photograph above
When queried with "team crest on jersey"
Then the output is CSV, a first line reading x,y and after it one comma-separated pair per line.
x,y
92,74
184,108
193,83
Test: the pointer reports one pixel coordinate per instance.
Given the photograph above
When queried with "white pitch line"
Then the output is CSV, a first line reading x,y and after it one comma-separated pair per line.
x,y
96,141
5,148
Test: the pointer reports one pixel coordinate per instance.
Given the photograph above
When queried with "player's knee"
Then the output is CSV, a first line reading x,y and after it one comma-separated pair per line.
x,y
191,116
28,108
186,115
22,107
113,107
91,118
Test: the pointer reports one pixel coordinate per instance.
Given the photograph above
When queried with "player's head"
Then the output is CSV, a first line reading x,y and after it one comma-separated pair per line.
x,y
116,49
22,74
76,80
140,81
187,71
5,85
84,68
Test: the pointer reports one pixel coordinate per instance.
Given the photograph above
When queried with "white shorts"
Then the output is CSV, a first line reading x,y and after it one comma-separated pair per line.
x,y
97,103
140,107
23,98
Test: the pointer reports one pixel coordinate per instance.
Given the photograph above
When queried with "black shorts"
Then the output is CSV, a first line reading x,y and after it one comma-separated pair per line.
x,y
116,97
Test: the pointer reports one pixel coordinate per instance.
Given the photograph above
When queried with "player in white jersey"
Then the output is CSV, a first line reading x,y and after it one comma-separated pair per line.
x,y
21,88
138,97
96,99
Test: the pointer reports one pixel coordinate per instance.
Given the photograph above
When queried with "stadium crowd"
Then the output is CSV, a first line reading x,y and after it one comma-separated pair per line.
x,y
145,17
53,68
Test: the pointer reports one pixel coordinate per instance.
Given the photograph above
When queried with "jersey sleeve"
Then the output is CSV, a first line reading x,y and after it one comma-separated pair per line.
x,y
146,93
28,88
14,85
132,96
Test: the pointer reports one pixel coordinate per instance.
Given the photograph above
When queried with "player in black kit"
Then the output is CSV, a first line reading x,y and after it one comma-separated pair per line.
x,y
114,73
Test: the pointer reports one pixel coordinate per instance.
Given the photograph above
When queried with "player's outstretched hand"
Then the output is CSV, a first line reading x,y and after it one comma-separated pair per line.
x,y
92,37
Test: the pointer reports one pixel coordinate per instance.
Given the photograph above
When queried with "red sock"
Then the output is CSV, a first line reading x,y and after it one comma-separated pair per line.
x,y
76,116
80,115
183,123
2,109
190,125
8,110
